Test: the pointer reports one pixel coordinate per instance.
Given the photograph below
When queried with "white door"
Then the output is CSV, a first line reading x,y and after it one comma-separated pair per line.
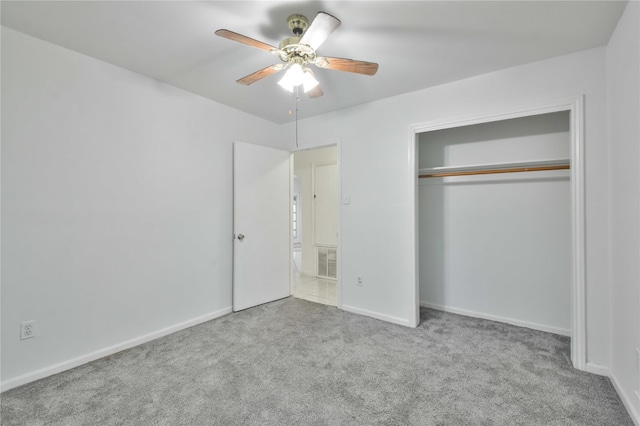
x,y
261,247
325,203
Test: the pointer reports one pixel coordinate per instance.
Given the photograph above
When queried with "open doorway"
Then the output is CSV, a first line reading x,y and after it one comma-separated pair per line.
x,y
570,110
495,221
314,221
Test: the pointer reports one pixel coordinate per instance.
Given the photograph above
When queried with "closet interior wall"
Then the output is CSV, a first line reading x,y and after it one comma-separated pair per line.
x,y
498,246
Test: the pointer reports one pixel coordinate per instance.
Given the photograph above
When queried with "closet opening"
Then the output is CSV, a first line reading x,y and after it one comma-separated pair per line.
x,y
499,213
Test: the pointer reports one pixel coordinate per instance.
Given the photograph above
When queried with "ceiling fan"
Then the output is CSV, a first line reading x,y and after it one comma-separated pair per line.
x,y
299,51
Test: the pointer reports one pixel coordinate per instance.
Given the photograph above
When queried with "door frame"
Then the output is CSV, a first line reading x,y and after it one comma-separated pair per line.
x,y
575,106
337,143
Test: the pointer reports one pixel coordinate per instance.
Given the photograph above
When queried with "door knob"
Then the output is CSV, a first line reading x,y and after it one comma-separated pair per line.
x,y
241,237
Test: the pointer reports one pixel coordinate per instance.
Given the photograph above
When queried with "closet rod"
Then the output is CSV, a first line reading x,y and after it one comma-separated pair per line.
x,y
492,171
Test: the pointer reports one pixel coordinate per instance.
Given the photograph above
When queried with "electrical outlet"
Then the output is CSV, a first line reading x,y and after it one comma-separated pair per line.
x,y
360,283
27,330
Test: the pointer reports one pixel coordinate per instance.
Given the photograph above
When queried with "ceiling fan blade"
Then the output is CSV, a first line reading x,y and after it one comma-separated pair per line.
x,y
320,30
258,75
246,40
316,92
348,65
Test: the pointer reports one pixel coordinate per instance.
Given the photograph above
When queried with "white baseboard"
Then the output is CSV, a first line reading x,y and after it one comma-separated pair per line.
x,y
519,323
600,370
376,315
75,362
627,399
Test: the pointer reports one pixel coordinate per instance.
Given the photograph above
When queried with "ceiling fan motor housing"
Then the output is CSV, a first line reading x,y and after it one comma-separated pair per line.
x,y
290,48
289,41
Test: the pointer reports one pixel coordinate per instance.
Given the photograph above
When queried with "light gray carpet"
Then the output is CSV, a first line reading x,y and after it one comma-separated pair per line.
x,y
294,362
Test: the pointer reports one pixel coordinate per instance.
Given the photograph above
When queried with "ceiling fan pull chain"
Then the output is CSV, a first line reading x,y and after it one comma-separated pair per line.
x,y
297,100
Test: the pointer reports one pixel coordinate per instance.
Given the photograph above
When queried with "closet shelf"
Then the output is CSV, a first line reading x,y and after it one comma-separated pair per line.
x,y
483,169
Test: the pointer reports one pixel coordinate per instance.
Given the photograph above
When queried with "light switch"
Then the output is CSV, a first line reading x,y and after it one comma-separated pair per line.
x,y
346,200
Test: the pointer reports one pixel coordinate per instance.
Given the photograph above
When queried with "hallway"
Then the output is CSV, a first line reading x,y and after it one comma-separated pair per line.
x,y
315,289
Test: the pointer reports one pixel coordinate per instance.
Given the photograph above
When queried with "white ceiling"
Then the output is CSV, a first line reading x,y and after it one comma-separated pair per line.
x,y
418,44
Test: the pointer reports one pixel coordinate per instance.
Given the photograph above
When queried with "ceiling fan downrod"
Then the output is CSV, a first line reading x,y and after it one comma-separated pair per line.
x,y
298,24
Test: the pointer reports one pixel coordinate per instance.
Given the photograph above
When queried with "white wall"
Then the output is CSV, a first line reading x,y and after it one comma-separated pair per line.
x,y
116,205
498,246
303,162
377,226
115,186
623,90
538,137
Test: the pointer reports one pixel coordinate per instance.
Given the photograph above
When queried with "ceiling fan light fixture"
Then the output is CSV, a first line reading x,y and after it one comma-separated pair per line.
x,y
308,80
292,78
296,76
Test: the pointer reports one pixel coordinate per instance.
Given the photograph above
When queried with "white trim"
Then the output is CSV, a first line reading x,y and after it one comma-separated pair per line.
x,y
75,362
291,242
376,315
414,183
339,225
564,104
626,399
575,105
578,289
497,318
600,370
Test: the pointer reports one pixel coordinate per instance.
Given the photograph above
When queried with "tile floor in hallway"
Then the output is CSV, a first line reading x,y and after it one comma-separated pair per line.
x,y
315,289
